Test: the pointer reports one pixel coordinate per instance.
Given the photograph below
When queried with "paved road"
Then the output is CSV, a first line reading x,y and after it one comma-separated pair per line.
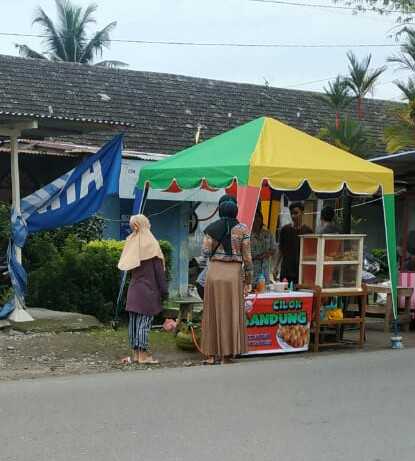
x,y
357,406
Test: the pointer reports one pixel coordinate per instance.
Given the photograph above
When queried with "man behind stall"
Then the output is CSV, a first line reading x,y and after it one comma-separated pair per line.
x,y
327,223
263,248
289,243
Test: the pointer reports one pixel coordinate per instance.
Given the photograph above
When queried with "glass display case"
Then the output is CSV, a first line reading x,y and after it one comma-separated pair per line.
x,y
332,261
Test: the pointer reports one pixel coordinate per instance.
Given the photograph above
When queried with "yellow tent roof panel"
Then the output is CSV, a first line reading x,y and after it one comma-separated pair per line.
x,y
287,157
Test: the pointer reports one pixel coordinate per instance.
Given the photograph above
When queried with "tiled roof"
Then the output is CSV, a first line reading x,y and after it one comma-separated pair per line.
x,y
165,110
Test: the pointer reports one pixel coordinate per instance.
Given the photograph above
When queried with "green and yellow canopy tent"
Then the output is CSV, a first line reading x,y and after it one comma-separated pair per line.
x,y
267,158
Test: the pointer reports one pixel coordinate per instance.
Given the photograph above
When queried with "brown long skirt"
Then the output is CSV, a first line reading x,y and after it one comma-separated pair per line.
x,y
223,322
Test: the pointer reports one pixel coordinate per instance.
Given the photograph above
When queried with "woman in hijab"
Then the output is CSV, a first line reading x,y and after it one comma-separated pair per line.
x,y
227,247
142,256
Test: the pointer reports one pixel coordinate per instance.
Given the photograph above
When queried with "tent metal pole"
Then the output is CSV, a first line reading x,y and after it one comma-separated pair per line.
x,y
390,232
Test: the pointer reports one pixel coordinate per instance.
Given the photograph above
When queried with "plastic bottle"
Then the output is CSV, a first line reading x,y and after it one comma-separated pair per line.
x,y
285,282
260,286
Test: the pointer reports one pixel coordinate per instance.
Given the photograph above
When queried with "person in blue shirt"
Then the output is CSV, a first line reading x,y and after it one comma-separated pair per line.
x,y
263,248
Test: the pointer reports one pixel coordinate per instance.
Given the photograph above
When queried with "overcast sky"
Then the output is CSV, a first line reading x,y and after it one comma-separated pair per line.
x,y
239,21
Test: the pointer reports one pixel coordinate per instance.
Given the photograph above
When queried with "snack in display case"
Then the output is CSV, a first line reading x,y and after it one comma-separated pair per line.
x,y
342,276
332,261
336,249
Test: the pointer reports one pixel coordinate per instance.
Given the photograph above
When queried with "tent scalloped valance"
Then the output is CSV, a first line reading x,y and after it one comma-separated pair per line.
x,y
268,149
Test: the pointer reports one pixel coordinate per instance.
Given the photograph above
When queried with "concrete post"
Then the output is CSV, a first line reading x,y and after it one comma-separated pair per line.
x,y
19,314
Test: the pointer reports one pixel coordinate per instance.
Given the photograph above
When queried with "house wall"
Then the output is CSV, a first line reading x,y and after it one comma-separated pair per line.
x,y
203,211
110,211
169,221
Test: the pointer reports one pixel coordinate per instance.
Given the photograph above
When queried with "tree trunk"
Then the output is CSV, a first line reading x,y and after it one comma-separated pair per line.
x,y
337,121
359,108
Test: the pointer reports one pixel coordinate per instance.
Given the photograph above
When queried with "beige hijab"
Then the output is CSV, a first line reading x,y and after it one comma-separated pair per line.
x,y
140,245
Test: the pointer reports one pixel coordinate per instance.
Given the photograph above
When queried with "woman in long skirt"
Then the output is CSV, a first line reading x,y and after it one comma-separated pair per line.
x,y
227,248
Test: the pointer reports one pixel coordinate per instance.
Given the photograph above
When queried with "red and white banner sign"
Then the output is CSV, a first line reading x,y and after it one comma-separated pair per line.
x,y
278,322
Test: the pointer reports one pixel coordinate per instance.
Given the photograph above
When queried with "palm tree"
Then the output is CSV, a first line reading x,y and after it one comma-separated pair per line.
x,y
337,96
349,136
406,57
67,40
401,135
407,89
361,80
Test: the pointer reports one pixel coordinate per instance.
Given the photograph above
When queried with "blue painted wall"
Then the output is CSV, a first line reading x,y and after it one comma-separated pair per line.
x,y
110,210
169,221
172,225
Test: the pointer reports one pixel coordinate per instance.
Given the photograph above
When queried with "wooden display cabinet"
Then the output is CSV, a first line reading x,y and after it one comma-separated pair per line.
x,y
333,262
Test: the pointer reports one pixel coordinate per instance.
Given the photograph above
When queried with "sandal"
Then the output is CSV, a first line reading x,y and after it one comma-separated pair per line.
x,y
126,360
210,362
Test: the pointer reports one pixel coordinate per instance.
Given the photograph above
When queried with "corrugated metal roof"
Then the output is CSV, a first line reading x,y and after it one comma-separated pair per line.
x,y
402,164
34,115
65,149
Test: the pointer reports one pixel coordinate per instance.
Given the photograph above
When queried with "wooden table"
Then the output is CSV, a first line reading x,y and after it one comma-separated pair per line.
x,y
186,307
386,310
358,319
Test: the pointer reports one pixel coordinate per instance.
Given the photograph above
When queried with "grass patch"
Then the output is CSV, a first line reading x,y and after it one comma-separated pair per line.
x,y
159,340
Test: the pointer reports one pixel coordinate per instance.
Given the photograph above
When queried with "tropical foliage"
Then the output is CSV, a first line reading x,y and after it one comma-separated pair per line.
x,y
401,135
407,89
406,57
349,136
68,38
361,79
80,277
405,8
337,96
71,268
4,227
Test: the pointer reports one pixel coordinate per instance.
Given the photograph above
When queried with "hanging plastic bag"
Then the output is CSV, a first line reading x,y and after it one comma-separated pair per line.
x,y
169,325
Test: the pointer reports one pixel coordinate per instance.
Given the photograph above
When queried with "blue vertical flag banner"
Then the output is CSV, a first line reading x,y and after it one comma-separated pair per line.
x,y
73,197
138,200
